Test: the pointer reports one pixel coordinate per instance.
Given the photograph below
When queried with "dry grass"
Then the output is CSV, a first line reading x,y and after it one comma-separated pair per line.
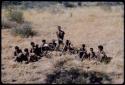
x,y
89,25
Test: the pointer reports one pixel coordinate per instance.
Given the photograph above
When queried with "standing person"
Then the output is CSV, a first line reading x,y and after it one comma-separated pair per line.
x,y
60,35
101,54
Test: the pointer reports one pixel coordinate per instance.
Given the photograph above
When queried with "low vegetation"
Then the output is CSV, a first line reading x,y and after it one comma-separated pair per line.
x,y
15,20
70,5
67,73
24,30
8,24
75,75
14,14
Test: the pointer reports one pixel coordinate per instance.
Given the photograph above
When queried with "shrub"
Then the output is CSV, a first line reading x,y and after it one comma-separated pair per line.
x,y
60,63
8,24
79,4
107,8
14,14
24,30
74,76
7,3
68,4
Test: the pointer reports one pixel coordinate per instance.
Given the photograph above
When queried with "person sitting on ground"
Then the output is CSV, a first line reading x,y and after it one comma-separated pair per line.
x,y
26,54
43,42
91,54
60,35
18,54
83,52
53,45
67,46
37,51
101,54
33,47
33,56
72,49
44,46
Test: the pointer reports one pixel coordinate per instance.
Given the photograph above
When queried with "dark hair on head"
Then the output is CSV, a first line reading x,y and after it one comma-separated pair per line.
x,y
26,49
16,47
44,40
91,48
32,43
67,40
83,45
59,27
100,47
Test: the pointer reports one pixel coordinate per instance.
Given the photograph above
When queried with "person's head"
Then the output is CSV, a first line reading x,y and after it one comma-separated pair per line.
x,y
100,47
32,44
16,48
26,50
91,49
83,45
67,41
59,28
44,41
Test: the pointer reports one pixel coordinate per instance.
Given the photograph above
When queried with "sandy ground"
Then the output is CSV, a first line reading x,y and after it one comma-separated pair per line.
x,y
89,25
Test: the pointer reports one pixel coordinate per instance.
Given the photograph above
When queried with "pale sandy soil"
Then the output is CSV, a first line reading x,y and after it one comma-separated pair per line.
x,y
89,25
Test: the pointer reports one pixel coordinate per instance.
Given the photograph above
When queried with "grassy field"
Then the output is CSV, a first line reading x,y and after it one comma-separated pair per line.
x,y
91,25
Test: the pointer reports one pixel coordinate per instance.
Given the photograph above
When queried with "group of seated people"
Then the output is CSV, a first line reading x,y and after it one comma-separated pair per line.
x,y
36,51
100,55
